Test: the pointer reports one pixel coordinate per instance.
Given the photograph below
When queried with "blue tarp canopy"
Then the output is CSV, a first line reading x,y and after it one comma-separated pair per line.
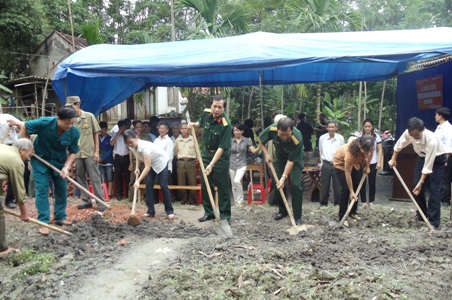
x,y
105,75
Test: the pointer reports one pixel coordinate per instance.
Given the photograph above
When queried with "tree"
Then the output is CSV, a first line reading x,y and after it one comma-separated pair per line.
x,y
22,26
214,18
322,16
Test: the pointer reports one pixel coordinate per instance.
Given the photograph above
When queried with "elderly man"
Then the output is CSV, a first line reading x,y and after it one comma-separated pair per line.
x,y
12,169
186,164
216,157
88,157
430,165
289,154
8,135
328,144
56,143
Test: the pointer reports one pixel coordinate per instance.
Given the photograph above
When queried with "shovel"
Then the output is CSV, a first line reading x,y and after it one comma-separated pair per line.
x,y
221,226
16,214
352,201
133,219
73,182
295,229
412,199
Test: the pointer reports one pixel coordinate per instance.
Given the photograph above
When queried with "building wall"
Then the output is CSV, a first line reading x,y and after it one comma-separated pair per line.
x,y
49,54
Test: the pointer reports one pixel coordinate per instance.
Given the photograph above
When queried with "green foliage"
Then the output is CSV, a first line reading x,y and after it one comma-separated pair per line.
x,y
32,262
90,32
214,18
337,109
21,28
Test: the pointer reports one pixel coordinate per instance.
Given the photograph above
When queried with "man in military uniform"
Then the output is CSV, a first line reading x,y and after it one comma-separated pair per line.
x,y
88,157
215,155
12,169
289,154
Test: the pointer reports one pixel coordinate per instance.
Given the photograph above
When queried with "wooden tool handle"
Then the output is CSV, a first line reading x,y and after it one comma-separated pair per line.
x,y
412,198
72,181
352,201
275,176
206,180
16,214
135,193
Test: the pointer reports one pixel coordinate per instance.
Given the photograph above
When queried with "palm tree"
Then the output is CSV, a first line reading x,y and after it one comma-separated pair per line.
x,y
215,18
321,16
90,31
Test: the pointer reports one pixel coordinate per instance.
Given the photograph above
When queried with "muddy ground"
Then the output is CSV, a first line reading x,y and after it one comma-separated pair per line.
x,y
386,255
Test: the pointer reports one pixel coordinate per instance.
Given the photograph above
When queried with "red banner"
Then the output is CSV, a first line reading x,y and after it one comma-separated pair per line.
x,y
430,92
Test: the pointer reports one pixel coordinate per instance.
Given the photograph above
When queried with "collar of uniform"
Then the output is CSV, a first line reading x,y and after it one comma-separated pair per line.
x,y
83,114
53,124
216,120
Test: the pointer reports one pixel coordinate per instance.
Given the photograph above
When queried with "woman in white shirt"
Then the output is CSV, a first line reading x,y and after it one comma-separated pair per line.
x,y
375,163
155,164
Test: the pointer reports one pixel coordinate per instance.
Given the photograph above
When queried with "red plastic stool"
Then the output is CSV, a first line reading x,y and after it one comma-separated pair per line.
x,y
269,185
260,194
106,195
104,187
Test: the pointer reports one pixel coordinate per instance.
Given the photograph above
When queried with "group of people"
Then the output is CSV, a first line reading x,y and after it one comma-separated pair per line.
x,y
146,152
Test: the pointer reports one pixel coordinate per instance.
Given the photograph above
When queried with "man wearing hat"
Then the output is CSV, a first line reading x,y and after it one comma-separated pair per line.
x,y
88,157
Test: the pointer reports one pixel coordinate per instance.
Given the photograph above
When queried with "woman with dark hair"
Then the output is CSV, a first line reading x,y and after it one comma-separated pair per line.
x,y
375,162
155,164
237,168
348,160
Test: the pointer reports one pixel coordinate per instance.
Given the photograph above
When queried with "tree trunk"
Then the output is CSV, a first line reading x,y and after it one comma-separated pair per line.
x,y
359,103
282,99
365,101
250,100
318,99
262,99
243,101
381,105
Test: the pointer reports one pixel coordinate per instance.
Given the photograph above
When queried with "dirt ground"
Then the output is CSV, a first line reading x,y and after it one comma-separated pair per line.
x,y
386,255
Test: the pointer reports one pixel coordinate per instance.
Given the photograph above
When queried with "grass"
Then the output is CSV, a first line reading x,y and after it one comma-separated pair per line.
x,y
32,262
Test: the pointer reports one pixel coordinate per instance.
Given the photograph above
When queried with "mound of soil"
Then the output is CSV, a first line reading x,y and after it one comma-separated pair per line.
x,y
386,255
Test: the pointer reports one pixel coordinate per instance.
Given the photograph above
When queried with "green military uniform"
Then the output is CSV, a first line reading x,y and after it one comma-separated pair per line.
x,y
11,169
289,150
54,149
216,134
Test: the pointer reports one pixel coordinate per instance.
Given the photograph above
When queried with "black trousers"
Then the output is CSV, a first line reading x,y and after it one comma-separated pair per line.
x,y
371,179
432,210
122,169
345,193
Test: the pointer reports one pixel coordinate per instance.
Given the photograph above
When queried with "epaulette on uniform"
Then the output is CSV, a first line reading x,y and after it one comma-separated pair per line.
x,y
273,128
295,140
207,110
225,122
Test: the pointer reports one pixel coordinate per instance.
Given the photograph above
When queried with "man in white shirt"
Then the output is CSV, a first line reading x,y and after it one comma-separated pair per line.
x,y
444,133
430,165
183,102
165,142
328,144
